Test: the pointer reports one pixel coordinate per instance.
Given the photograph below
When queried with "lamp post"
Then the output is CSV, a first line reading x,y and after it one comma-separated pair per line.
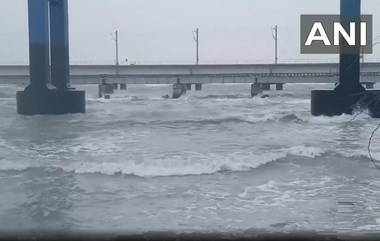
x,y
196,39
275,37
115,37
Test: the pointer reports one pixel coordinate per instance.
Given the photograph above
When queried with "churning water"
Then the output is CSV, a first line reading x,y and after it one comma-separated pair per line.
x,y
214,160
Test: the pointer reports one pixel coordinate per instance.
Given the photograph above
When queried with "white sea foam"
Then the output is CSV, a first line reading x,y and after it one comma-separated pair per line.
x,y
102,152
177,165
330,120
149,136
196,164
311,152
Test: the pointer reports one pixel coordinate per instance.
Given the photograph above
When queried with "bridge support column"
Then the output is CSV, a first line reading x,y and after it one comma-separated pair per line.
x,y
256,89
39,97
178,90
105,89
59,41
198,87
369,85
279,87
349,93
123,86
266,86
188,86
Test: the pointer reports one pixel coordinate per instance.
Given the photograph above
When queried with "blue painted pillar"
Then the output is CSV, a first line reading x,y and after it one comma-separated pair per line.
x,y
349,81
349,94
49,45
38,43
59,40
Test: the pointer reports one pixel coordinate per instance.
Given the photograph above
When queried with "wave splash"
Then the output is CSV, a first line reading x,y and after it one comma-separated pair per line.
x,y
269,118
187,164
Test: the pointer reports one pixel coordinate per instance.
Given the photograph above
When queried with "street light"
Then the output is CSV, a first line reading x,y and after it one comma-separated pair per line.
x,y
115,37
275,37
196,39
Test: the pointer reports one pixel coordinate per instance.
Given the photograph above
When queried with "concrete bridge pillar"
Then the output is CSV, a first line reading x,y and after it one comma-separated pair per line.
x,y
59,41
256,89
39,44
279,87
123,86
105,89
349,92
178,90
48,43
198,87
369,85
265,86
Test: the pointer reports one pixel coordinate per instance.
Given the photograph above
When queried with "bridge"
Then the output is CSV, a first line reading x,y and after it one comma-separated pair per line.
x,y
276,74
49,63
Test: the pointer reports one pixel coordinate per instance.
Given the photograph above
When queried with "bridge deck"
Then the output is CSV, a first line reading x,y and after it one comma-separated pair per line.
x,y
204,74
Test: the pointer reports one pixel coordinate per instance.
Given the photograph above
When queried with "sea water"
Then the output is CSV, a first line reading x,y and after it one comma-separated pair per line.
x,y
211,161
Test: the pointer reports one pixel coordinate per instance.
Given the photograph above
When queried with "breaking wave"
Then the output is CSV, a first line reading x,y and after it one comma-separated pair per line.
x,y
269,118
187,164
222,97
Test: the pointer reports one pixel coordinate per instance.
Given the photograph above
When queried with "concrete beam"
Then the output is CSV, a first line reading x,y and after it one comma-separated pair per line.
x,y
163,80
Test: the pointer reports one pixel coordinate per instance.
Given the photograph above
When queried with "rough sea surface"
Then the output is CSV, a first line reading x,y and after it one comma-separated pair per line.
x,y
212,161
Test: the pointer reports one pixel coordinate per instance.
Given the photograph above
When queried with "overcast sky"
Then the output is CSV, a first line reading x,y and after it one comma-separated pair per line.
x,y
160,31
